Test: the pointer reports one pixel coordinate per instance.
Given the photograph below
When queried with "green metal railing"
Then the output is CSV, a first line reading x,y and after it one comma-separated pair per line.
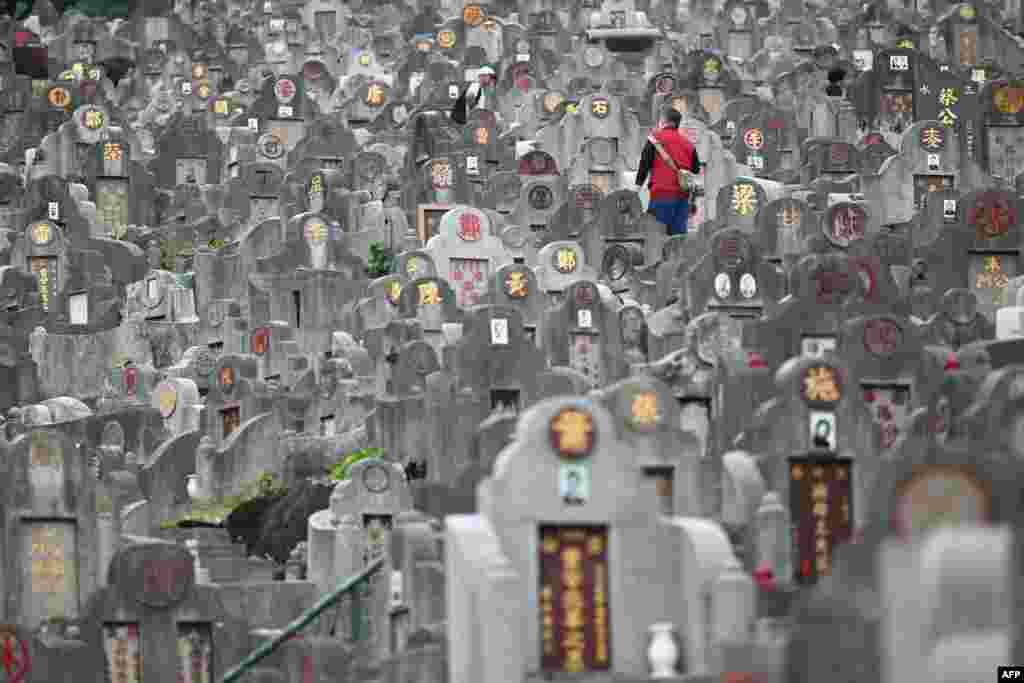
x,y
349,585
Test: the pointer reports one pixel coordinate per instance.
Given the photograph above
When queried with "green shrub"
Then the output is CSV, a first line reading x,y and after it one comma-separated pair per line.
x,y
382,260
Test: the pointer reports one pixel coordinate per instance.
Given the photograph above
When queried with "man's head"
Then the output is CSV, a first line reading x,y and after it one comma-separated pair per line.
x,y
671,118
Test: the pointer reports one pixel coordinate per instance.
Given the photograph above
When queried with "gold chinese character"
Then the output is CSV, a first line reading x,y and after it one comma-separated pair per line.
x,y
572,598
573,428
482,135
932,138
743,199
394,290
645,408
573,618
550,545
112,151
820,509
517,284
41,233
821,562
948,97
790,216
820,385
93,119
314,184
948,118
572,578
820,492
594,546
821,545
375,95
429,293
571,557
599,107
820,526
566,260
220,107
574,661
574,640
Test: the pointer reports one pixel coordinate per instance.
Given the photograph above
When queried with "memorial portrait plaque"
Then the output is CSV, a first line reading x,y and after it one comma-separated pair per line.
x,y
565,260
821,500
940,495
540,197
574,599
51,585
124,653
469,279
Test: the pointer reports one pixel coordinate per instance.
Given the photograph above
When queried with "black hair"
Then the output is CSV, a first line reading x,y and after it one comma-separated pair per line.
x,y
671,117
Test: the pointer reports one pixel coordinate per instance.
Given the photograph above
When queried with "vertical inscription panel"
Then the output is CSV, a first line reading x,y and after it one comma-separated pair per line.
x,y
50,579
195,653
585,356
469,278
123,653
112,203
574,599
989,277
821,503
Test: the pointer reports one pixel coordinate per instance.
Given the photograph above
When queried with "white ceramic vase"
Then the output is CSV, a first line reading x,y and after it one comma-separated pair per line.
x,y
662,653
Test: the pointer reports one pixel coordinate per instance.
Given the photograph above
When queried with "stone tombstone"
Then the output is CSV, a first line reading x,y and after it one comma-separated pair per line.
x,y
467,251
886,356
939,485
781,227
825,290
932,154
995,415
559,264
45,251
644,411
583,332
992,227
731,278
178,401
496,359
738,202
415,263
1003,112
517,286
756,147
150,601
50,522
430,300
574,532
821,434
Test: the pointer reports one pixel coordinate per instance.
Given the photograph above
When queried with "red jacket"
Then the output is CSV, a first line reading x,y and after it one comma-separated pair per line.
x,y
664,183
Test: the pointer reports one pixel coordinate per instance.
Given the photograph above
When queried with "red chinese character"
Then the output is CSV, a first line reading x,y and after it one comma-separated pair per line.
x,y
469,227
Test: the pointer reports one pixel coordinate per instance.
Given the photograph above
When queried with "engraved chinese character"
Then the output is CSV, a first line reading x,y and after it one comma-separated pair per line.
x,y
645,408
820,385
93,119
948,97
819,492
375,95
931,138
743,199
429,293
566,260
571,557
573,429
482,135
516,284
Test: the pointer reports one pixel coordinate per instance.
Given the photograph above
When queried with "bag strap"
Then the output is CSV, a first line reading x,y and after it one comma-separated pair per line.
x,y
663,154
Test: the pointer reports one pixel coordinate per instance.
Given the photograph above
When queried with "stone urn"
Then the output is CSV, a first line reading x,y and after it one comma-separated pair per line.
x,y
663,651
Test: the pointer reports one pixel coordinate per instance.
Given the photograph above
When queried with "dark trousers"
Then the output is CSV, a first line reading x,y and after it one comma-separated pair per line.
x,y
674,214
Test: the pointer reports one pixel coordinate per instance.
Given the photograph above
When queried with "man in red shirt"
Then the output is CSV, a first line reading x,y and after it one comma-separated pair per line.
x,y
669,204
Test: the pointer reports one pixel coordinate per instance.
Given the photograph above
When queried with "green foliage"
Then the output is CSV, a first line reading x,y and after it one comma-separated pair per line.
x,y
339,471
108,9
382,260
214,511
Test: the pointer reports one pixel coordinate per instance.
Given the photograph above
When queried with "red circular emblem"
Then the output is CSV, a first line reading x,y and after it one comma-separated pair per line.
x,y
882,337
